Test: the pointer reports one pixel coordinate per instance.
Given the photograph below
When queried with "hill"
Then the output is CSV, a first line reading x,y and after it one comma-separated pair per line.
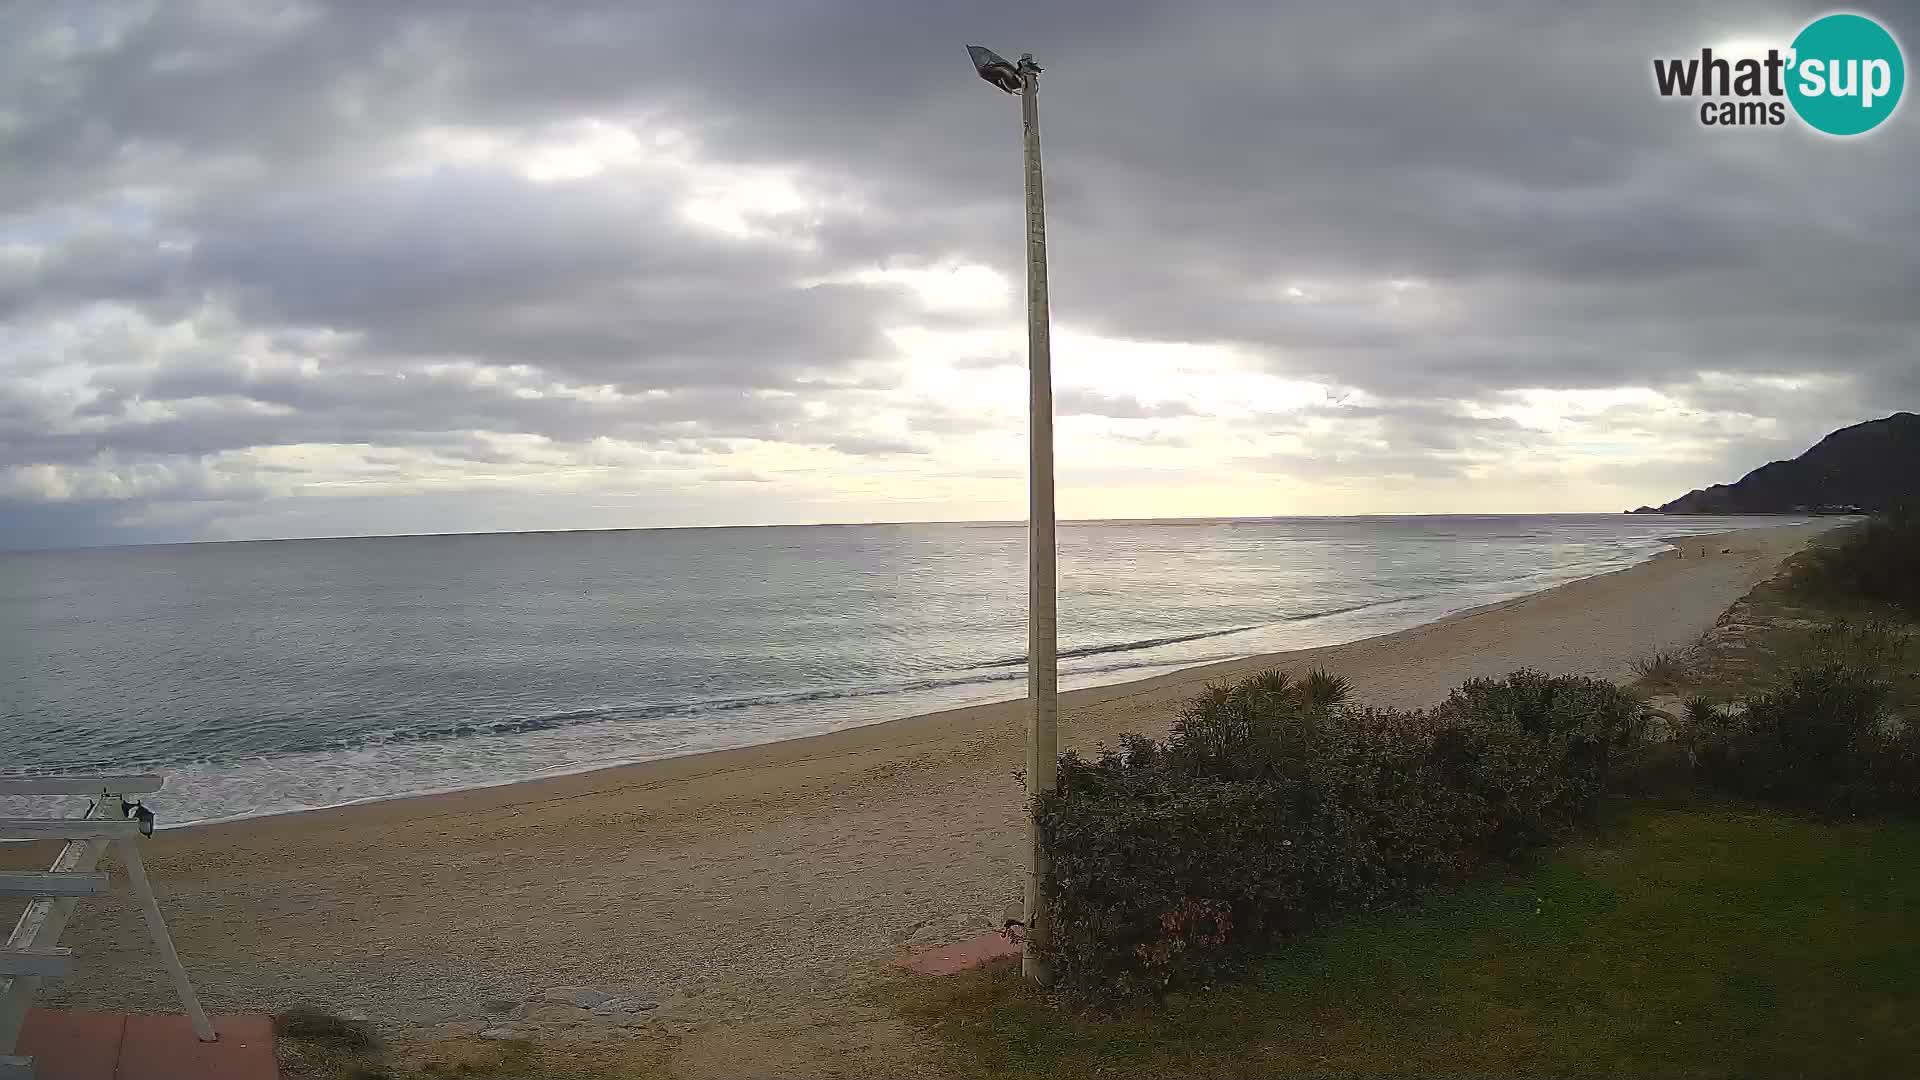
x,y
1871,466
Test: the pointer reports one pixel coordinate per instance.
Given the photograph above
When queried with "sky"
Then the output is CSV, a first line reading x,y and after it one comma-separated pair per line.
x,y
301,269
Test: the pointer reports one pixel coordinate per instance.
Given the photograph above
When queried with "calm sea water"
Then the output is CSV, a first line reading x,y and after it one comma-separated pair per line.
x,y
279,675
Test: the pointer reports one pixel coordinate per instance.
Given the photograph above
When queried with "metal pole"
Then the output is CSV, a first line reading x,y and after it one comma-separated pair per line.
x,y
163,942
1043,671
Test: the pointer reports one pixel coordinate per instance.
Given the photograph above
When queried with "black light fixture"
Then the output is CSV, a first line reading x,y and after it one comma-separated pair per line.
x,y
996,69
139,811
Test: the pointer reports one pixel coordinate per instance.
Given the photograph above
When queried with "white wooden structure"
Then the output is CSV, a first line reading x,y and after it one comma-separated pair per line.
x,y
32,952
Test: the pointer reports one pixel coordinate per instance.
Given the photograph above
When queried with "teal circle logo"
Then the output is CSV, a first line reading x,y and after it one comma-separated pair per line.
x,y
1846,74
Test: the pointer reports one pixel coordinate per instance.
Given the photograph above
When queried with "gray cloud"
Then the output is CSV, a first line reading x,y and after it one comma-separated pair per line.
x,y
1434,204
582,278
1399,439
876,446
28,524
1081,402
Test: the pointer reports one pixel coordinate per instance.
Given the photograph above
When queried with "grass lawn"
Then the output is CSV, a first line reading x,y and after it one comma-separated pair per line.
x,y
1686,938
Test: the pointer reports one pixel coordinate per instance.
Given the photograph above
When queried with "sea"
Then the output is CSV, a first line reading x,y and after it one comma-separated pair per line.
x,y
271,676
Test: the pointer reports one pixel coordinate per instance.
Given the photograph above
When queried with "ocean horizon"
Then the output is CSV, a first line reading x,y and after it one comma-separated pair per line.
x,y
282,675
1748,521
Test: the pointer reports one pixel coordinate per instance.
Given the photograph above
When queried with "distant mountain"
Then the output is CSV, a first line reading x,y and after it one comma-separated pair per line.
x,y
1870,466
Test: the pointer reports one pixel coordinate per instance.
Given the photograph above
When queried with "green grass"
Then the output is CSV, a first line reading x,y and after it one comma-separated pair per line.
x,y
1687,939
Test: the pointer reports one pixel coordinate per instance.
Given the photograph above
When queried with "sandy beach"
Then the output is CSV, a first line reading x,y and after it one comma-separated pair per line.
x,y
759,885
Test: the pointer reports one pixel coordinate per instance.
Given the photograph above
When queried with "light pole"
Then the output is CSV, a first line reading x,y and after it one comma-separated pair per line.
x,y
1043,661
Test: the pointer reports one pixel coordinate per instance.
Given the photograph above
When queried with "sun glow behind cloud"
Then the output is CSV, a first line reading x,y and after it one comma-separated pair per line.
x,y
332,268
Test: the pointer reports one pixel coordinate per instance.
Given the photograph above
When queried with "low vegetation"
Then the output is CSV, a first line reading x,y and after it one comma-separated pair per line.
x,y
1275,807
1875,564
1662,669
1873,646
1692,938
1797,622
1825,741
1805,696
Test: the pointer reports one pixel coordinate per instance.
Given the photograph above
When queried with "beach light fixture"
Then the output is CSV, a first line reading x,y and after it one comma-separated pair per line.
x,y
1043,660
140,813
995,69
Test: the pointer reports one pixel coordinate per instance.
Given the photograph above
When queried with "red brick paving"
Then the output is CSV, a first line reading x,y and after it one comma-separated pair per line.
x,y
72,1045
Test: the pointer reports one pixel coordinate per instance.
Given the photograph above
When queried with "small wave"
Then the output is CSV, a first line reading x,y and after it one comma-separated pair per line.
x,y
1123,646
1330,612
1177,639
521,725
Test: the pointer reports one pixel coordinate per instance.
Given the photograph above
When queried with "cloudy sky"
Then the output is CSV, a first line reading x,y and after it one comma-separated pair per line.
x,y
290,269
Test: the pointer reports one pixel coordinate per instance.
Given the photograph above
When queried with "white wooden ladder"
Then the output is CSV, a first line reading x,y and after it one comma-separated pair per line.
x,y
32,952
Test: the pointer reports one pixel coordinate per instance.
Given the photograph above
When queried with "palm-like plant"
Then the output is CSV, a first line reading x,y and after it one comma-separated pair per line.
x,y
1257,723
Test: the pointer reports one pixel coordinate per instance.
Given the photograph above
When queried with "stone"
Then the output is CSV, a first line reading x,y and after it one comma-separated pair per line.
x,y
929,934
501,1006
458,1028
585,997
499,1034
625,1005
557,1014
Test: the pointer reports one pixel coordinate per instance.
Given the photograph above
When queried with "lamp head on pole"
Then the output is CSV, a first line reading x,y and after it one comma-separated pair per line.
x,y
996,69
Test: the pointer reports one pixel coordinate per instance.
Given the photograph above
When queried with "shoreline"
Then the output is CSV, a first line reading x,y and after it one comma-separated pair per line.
x,y
1171,670
1012,694
760,884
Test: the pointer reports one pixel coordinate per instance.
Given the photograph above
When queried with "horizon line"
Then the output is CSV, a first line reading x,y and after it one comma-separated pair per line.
x,y
833,525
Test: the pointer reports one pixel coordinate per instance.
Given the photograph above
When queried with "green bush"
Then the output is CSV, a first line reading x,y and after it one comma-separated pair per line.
x,y
1274,807
1539,749
1876,565
1824,742
1258,726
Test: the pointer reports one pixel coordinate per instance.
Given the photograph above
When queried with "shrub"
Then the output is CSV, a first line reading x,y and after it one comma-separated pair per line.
x,y
1257,726
1274,807
1876,564
1823,742
1540,748
1662,669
